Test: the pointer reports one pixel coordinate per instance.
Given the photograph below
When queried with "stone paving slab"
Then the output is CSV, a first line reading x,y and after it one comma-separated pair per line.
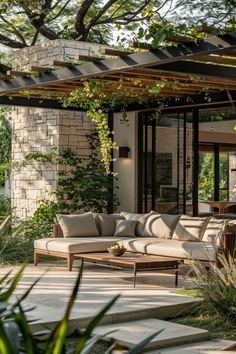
x,y
214,346
130,334
99,285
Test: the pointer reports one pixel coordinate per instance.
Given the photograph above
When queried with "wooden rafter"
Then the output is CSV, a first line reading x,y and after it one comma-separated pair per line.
x,y
87,58
39,69
17,73
113,52
62,64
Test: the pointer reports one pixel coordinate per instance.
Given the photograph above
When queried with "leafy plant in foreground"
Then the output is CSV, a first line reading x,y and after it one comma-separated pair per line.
x,y
16,335
218,289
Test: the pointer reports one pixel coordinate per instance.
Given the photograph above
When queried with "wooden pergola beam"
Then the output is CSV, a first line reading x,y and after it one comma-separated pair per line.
x,y
17,73
39,69
88,58
113,52
62,64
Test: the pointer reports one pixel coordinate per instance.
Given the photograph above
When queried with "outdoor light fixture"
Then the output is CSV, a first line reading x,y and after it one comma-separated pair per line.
x,y
124,152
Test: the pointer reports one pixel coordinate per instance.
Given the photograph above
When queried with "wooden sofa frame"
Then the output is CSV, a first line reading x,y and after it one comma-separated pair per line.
x,y
228,248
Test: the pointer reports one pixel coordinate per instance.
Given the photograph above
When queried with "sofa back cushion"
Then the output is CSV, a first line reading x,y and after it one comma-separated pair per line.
x,y
78,225
107,223
214,231
160,225
140,221
125,228
190,228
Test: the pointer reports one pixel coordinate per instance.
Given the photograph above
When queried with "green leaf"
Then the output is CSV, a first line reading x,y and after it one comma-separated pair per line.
x,y
6,295
139,347
93,323
5,344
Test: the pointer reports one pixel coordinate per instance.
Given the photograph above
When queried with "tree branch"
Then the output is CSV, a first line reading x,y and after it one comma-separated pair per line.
x,y
101,12
15,30
79,23
11,42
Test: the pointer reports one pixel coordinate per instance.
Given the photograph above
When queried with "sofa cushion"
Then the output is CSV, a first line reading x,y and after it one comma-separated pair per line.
x,y
190,228
78,225
75,245
140,218
137,244
200,251
214,230
125,228
161,225
108,223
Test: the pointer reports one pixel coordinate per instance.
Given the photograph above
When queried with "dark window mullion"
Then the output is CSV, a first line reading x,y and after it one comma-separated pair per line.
x,y
153,164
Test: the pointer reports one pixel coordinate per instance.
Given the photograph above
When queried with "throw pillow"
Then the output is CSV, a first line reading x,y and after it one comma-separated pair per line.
x,y
108,223
139,218
78,225
161,225
125,228
190,228
214,230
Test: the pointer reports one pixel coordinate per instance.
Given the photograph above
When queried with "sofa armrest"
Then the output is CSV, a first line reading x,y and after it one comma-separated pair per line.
x,y
57,231
229,243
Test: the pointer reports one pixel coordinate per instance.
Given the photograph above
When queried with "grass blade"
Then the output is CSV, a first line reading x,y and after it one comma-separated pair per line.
x,y
138,348
5,344
58,331
94,322
6,294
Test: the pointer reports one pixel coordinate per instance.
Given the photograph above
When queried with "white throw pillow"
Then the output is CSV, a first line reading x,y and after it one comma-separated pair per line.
x,y
81,225
214,230
108,223
125,228
190,228
139,218
161,225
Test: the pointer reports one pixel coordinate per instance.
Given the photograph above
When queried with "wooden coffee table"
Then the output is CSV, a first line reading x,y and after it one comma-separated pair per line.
x,y
135,261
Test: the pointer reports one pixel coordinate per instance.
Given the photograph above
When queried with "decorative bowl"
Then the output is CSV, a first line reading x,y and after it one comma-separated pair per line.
x,y
116,251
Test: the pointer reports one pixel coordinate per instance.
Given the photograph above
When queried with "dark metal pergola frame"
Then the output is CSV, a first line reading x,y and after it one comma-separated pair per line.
x,y
211,62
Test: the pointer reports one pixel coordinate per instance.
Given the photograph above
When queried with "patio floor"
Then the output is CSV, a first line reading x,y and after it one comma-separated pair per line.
x,y
153,296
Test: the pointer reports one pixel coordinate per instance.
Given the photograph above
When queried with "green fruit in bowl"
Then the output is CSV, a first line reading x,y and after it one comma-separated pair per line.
x,y
117,246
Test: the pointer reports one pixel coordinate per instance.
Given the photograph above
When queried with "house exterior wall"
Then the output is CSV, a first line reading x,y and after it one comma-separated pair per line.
x,y
126,135
38,130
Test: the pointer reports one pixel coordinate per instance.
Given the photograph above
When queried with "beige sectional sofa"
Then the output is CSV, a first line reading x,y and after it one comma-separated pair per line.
x,y
178,236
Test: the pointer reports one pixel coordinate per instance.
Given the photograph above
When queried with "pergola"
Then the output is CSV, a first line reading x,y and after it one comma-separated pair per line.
x,y
187,69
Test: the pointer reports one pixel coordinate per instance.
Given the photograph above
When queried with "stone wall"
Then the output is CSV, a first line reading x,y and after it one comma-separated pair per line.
x,y
38,130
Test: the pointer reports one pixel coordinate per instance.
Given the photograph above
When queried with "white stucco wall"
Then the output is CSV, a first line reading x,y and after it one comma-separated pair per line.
x,y
126,135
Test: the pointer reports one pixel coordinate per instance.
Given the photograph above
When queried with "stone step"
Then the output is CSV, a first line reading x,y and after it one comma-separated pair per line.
x,y
129,334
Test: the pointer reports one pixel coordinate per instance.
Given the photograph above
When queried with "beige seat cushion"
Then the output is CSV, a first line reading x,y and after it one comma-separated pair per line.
x,y
78,225
160,225
108,223
137,244
125,228
140,218
200,251
75,245
214,231
190,228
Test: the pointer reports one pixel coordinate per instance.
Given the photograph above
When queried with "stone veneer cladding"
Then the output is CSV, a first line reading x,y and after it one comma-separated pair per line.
x,y
38,130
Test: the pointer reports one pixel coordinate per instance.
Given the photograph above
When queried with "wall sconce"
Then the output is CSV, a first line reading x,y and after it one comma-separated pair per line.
x,y
124,152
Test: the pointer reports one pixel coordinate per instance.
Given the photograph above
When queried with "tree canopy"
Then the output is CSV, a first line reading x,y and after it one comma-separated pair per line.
x,y
24,22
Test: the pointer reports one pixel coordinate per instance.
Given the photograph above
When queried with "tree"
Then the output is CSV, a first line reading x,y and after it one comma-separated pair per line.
x,y
183,20
24,22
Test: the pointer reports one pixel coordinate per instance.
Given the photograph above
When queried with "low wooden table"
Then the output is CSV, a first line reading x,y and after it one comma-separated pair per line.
x,y
135,261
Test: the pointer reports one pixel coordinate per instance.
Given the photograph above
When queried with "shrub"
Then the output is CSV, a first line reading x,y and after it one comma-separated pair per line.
x,y
218,288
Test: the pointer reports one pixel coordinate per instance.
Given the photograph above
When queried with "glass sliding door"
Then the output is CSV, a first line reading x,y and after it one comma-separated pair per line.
x,y
217,155
165,162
